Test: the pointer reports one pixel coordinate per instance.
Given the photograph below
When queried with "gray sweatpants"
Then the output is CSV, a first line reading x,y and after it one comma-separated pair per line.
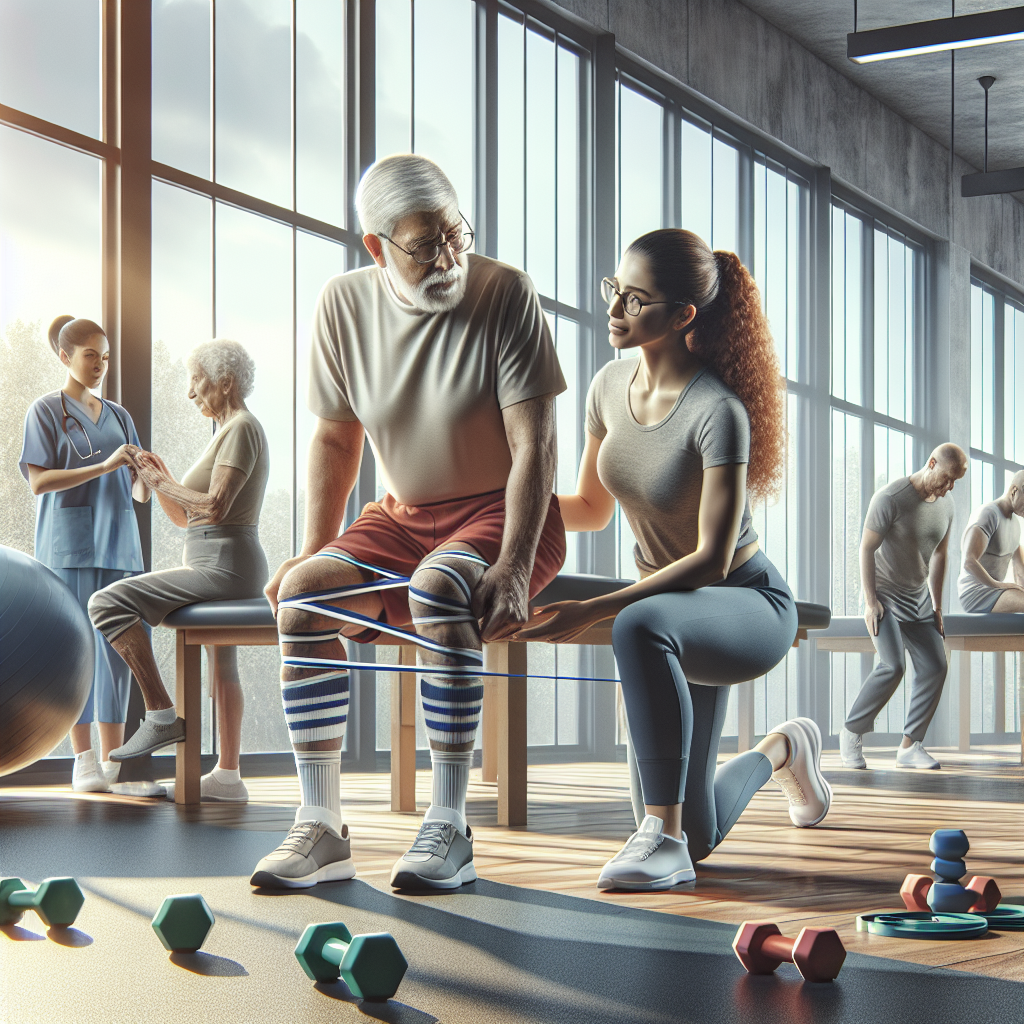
x,y
219,563
924,643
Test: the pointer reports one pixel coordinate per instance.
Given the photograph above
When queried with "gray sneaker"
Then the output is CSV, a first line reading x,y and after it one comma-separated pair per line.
x,y
149,738
311,852
440,858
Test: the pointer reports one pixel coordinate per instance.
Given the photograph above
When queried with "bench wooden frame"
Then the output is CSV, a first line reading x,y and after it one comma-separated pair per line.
x,y
503,726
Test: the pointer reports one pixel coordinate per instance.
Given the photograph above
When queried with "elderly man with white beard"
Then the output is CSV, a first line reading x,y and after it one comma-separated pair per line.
x,y
445,362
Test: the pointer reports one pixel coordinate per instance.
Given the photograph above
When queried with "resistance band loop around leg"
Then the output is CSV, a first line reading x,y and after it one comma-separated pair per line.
x,y
471,660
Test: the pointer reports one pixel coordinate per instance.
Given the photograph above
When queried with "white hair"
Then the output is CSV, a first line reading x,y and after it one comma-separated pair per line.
x,y
222,358
397,186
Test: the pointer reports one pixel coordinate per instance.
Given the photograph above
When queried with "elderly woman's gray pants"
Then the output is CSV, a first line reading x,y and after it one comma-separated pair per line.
x,y
219,563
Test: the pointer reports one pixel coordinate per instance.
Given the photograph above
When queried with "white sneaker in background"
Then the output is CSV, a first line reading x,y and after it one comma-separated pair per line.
x,y
213,790
649,861
851,749
111,770
810,796
915,756
86,776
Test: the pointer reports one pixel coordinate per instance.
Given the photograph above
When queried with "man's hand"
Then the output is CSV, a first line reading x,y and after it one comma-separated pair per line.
x,y
501,602
937,612
274,585
873,612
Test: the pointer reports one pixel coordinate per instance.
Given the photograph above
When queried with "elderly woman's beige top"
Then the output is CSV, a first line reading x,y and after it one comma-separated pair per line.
x,y
242,444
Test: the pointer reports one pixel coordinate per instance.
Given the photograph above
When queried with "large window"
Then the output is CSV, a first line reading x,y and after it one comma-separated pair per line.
x,y
877,428
264,114
997,452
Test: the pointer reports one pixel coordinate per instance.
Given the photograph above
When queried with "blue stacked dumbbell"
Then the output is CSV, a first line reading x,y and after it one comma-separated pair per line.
x,y
949,845
947,895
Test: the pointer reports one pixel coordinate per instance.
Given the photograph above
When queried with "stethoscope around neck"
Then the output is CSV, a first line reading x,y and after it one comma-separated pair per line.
x,y
71,437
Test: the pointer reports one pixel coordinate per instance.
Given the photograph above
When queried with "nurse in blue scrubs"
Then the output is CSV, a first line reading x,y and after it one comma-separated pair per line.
x,y
77,458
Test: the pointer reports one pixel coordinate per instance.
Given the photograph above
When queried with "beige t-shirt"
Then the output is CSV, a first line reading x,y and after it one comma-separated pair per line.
x,y
429,388
242,444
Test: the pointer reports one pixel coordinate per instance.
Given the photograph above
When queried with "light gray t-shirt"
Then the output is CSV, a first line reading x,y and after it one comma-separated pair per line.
x,y
911,530
656,472
240,443
1003,539
429,388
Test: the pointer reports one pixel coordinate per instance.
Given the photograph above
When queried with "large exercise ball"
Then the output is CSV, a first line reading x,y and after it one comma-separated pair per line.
x,y
46,660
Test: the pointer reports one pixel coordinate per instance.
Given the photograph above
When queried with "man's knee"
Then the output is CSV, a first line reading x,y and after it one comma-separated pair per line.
x,y
890,673
440,593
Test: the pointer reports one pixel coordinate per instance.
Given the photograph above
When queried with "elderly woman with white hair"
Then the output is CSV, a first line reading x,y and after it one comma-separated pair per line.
x,y
218,501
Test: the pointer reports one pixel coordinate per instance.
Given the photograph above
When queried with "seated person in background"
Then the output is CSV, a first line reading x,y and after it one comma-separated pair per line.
x,y
991,540
219,502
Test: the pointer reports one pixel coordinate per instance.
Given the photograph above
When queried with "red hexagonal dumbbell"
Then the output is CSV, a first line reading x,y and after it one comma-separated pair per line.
x,y
915,893
818,953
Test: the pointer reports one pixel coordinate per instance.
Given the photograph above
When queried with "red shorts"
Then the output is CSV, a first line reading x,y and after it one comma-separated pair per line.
x,y
398,537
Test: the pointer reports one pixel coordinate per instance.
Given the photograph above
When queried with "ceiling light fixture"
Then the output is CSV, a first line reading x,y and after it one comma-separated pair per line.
x,y
936,36
991,183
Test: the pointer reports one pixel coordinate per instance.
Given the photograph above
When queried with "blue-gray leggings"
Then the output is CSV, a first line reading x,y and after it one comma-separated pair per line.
x,y
677,655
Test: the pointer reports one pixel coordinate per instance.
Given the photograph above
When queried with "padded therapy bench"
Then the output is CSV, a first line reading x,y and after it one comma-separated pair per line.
x,y
503,734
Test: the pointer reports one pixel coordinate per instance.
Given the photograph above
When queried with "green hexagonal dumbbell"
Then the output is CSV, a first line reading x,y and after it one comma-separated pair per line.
x,y
372,965
183,922
57,901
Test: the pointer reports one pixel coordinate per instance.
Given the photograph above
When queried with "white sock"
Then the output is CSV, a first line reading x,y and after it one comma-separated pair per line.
x,y
164,716
227,776
320,779
450,782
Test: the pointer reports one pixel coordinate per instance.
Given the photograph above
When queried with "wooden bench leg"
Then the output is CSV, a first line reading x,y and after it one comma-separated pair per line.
x,y
510,700
188,691
403,735
964,703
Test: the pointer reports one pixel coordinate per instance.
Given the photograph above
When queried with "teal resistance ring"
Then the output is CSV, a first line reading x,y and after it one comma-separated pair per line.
x,y
923,925
1007,917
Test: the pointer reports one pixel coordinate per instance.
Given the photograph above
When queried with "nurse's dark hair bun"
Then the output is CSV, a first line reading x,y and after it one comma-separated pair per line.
x,y
67,333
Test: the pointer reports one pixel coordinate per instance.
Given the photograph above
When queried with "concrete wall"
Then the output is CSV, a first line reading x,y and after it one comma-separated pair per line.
x,y
736,59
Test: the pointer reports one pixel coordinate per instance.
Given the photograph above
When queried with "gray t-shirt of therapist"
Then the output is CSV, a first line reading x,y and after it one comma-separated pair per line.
x,y
911,529
1003,539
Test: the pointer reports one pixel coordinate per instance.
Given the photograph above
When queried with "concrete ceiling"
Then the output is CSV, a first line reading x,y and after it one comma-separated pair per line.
x,y
919,88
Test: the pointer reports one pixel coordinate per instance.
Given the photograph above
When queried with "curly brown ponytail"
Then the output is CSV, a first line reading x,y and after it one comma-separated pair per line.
x,y
730,334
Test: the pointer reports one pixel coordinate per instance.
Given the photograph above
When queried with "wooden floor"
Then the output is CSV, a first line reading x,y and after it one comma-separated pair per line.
x,y
876,832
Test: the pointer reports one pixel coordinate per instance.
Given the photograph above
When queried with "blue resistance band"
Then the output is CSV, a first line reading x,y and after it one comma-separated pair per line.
x,y
471,660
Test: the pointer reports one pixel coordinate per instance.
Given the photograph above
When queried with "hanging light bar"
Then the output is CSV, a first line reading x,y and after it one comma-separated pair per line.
x,y
935,36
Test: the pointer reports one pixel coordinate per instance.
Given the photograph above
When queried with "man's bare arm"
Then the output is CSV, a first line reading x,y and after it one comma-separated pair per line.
x,y
937,577
500,600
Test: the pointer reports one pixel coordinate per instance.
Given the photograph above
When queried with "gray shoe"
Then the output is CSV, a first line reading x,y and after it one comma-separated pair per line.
x,y
149,738
312,852
440,858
